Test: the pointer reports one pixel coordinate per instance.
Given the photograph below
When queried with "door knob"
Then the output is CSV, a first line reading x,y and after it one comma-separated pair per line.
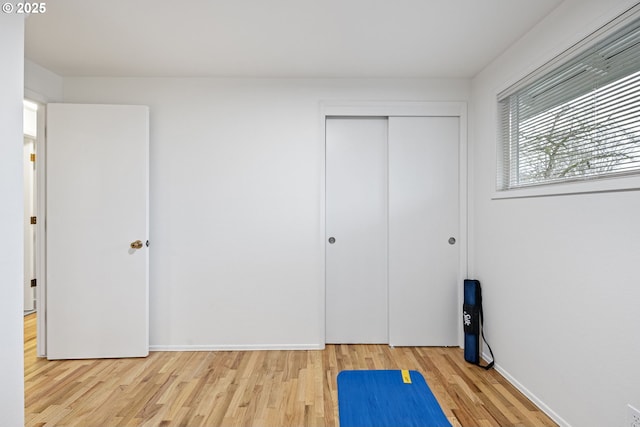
x,y
136,245
332,240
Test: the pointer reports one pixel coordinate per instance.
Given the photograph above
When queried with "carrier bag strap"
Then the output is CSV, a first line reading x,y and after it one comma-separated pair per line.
x,y
490,365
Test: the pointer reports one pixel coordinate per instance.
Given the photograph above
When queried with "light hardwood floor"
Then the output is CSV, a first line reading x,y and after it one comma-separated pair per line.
x,y
256,388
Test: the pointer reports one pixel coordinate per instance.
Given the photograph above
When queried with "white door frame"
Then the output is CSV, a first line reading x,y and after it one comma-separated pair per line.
x,y
41,235
30,194
406,109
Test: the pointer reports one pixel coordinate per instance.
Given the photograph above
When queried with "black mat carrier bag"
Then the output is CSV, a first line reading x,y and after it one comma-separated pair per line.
x,y
472,318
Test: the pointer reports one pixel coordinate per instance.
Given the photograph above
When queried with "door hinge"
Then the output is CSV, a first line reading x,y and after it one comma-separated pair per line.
x,y
34,283
34,220
32,157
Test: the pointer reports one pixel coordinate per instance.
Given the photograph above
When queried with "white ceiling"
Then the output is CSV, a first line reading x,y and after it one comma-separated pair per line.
x,y
277,38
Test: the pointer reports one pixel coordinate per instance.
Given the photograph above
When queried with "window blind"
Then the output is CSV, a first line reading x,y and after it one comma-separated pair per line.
x,y
580,120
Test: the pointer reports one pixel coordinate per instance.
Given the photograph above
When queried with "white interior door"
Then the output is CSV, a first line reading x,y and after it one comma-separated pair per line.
x,y
97,205
29,228
356,217
423,216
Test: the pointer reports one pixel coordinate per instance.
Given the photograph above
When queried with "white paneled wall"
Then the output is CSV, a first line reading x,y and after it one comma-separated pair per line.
x,y
559,273
11,209
237,170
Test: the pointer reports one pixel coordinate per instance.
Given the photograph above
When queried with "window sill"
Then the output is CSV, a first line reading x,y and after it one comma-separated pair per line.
x,y
604,185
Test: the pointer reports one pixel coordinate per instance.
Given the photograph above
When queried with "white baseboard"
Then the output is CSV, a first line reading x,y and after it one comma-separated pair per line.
x,y
532,397
232,347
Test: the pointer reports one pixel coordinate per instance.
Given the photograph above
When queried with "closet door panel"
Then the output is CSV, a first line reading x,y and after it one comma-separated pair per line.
x,y
356,225
423,223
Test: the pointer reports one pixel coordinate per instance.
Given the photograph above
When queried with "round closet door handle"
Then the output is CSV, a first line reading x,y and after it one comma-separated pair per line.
x,y
332,240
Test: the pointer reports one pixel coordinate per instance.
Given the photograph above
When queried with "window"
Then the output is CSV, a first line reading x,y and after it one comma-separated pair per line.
x,y
576,121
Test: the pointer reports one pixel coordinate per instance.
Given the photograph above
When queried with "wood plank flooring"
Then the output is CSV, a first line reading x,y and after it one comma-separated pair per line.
x,y
256,388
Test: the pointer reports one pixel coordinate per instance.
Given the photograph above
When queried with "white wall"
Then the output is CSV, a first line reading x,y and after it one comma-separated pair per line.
x,y
11,238
40,84
236,202
560,274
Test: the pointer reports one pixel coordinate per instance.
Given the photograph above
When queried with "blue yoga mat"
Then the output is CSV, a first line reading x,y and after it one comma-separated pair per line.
x,y
387,398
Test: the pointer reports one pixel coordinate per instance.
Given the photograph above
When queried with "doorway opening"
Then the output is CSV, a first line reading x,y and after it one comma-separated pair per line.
x,y
33,220
30,131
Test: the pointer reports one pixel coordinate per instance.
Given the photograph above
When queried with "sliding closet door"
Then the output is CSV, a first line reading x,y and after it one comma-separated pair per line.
x,y
356,224
423,224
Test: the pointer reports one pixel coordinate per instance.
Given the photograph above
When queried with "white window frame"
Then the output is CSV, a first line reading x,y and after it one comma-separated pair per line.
x,y
600,184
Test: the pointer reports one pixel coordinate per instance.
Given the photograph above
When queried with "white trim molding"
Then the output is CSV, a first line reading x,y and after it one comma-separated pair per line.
x,y
393,109
599,185
532,397
233,347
